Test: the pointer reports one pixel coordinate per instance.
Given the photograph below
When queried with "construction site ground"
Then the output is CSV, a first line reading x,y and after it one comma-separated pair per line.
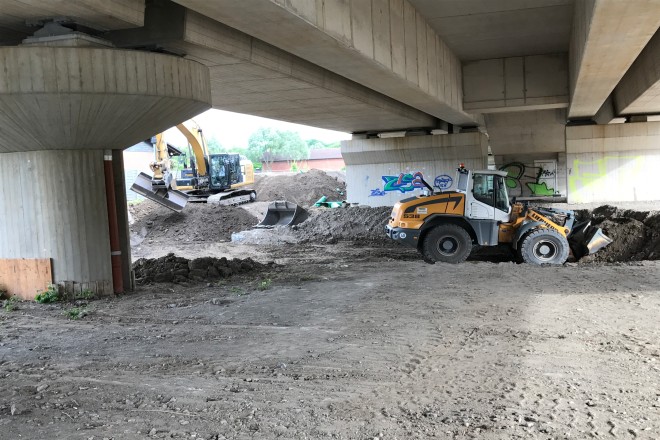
x,y
330,331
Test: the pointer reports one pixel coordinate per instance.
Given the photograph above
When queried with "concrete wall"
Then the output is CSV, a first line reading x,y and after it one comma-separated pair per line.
x,y
534,175
518,83
534,132
617,162
379,172
53,205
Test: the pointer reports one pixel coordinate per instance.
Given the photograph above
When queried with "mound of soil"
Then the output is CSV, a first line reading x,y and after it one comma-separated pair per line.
x,y
198,222
635,234
351,223
171,268
303,189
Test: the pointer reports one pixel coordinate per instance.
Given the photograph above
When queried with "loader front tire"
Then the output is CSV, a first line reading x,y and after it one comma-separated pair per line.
x,y
447,243
544,246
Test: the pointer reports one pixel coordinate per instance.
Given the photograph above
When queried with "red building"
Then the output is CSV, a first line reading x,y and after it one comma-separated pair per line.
x,y
326,159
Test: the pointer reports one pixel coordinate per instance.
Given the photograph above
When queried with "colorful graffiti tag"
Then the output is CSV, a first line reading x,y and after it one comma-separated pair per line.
x,y
403,182
443,182
377,192
537,187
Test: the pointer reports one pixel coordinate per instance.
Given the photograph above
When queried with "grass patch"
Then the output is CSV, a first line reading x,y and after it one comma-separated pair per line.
x,y
48,296
237,291
75,313
265,284
11,304
85,294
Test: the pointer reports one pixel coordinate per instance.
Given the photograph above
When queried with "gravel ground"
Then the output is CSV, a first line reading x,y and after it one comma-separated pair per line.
x,y
345,342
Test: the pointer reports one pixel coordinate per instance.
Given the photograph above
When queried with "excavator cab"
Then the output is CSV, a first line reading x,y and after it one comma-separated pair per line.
x,y
224,171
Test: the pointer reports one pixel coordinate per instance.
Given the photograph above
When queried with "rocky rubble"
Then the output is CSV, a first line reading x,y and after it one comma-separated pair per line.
x,y
171,268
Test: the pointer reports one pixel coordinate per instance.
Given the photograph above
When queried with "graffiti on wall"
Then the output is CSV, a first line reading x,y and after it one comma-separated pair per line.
x,y
403,182
443,182
377,192
537,183
592,175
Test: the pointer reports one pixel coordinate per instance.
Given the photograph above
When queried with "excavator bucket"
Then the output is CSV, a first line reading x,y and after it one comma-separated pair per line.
x,y
171,198
283,214
586,239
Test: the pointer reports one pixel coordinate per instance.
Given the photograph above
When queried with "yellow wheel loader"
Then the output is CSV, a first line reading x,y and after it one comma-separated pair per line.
x,y
446,226
220,176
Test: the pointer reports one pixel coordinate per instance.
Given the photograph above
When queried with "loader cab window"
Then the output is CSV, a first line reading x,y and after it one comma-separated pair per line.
x,y
490,189
501,195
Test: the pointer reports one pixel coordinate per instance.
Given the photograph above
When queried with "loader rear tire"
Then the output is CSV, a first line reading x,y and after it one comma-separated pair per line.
x,y
544,246
447,243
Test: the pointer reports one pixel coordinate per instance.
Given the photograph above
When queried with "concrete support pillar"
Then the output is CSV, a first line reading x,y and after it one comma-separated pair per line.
x,y
61,109
53,205
379,172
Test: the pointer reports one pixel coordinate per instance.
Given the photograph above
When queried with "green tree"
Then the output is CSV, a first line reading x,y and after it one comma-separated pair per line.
x,y
214,146
314,144
266,144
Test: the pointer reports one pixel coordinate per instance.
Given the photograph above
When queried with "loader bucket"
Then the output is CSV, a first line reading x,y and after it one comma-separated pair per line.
x,y
170,198
283,214
586,239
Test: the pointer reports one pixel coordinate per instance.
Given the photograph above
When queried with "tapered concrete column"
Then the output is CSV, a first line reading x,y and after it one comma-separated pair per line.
x,y
53,205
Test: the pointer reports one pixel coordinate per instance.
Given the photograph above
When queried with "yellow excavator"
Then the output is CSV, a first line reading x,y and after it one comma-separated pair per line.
x,y
224,177
446,226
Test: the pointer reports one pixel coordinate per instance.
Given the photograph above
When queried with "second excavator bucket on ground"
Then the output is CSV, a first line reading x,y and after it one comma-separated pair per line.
x,y
170,198
283,214
587,239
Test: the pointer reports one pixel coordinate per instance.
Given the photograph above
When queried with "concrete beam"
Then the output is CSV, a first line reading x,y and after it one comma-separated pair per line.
x,y
385,45
639,90
535,82
607,37
527,132
253,77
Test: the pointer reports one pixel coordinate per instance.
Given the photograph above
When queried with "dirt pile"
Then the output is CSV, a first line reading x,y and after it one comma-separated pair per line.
x,y
303,189
198,222
171,268
635,234
352,223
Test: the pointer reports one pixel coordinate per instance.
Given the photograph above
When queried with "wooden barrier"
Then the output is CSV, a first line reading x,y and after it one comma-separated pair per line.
x,y
25,277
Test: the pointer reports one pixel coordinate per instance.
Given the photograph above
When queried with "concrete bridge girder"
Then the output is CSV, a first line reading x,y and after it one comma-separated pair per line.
x,y
251,76
387,47
607,37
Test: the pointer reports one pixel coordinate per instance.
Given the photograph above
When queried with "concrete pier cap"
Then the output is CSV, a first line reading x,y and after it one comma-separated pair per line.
x,y
62,109
94,98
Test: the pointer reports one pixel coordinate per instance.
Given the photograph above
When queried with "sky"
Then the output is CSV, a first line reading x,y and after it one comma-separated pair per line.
x,y
234,129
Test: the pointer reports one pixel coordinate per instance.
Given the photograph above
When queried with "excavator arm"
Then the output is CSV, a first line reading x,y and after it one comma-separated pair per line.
x,y
194,136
